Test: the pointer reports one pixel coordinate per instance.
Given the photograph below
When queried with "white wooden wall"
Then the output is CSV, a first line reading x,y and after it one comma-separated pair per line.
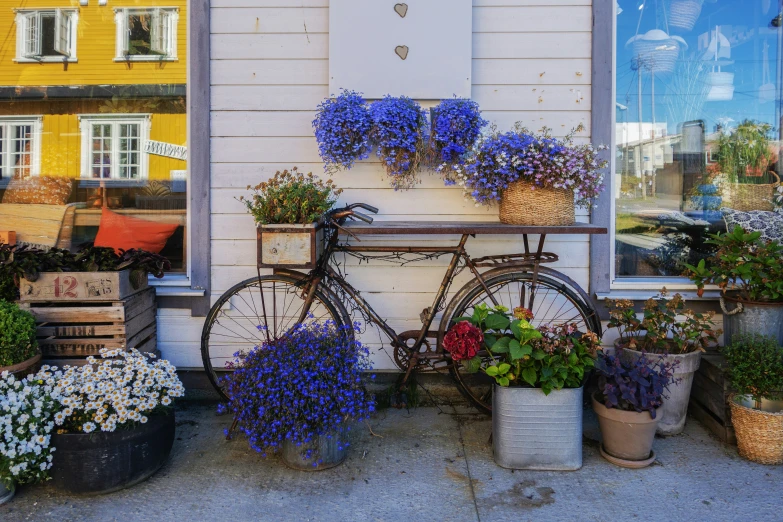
x,y
269,68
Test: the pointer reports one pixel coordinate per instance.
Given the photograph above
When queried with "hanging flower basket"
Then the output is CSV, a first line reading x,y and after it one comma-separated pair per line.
x,y
523,203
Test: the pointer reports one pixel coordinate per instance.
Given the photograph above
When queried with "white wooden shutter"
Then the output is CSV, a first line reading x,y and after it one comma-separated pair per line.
x,y
158,32
62,32
123,33
32,35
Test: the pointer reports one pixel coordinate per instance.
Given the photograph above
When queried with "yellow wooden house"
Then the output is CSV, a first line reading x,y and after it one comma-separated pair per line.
x,y
93,89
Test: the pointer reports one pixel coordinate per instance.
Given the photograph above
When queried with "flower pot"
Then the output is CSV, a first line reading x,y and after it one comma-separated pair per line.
x,y
531,430
750,317
6,494
103,462
24,368
627,436
329,452
759,433
290,246
524,203
675,405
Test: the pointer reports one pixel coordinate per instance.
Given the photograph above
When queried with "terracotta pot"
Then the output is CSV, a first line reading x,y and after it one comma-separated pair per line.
x,y
24,368
626,435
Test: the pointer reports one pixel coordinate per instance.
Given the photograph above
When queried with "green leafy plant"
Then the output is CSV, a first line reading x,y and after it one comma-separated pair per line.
x,y
666,325
744,264
515,353
755,366
17,335
291,197
744,153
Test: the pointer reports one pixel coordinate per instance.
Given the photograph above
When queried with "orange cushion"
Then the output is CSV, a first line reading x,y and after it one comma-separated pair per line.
x,y
126,232
43,190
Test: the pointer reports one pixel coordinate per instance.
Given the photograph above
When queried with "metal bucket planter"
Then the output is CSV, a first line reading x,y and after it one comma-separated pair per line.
x,y
6,494
675,405
531,430
103,462
626,436
328,452
750,317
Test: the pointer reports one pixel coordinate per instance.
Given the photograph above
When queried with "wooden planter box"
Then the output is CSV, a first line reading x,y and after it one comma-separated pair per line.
x,y
79,286
7,237
291,246
710,397
69,332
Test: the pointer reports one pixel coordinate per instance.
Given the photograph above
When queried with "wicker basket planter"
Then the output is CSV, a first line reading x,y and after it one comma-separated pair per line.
x,y
759,433
524,203
748,196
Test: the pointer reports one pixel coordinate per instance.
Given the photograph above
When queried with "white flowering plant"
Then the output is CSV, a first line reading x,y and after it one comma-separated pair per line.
x,y
27,407
123,389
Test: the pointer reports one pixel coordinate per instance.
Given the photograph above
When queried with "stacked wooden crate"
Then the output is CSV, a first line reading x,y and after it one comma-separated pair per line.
x,y
80,313
710,397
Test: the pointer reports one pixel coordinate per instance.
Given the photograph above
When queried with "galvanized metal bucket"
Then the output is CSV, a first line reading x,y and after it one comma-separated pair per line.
x,y
747,317
328,452
531,430
6,494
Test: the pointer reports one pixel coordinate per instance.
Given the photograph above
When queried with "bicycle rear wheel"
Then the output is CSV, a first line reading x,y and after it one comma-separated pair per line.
x,y
255,311
557,300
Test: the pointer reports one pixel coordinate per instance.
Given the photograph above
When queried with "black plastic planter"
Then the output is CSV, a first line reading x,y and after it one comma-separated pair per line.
x,y
97,463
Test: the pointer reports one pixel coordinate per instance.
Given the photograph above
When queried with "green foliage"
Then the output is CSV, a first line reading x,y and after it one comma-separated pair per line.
x,y
548,357
291,198
666,326
17,335
744,150
743,263
755,366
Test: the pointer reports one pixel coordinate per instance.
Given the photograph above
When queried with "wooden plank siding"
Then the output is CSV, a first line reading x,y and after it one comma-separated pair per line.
x,y
95,48
269,70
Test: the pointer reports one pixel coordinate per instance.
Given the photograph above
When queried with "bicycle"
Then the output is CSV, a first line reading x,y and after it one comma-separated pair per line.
x,y
263,308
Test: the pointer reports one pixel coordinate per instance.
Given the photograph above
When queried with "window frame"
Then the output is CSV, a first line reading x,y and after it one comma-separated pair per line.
x,y
21,30
121,31
86,121
35,160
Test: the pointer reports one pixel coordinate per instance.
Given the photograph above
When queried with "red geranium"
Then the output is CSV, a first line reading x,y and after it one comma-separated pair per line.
x,y
463,341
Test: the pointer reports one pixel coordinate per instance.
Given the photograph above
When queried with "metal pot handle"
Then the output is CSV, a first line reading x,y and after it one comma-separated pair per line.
x,y
737,310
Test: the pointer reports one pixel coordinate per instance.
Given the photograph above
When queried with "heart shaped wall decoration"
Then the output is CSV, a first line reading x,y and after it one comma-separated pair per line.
x,y
401,9
401,51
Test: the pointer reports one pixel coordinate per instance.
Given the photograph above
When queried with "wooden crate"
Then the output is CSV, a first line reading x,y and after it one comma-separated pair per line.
x,y
68,332
79,287
710,397
7,237
291,246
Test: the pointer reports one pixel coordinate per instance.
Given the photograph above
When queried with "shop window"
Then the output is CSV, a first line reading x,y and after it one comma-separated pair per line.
x,y
46,35
19,148
146,34
112,147
697,129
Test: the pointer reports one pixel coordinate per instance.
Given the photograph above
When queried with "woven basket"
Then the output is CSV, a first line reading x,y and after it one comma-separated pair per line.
x,y
684,13
759,434
524,203
745,196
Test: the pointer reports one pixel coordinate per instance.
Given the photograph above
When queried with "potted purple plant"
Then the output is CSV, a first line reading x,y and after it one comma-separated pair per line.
x,y
628,405
398,133
456,127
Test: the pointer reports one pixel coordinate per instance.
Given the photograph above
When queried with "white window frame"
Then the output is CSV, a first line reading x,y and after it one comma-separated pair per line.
x,y
168,21
23,17
85,126
35,150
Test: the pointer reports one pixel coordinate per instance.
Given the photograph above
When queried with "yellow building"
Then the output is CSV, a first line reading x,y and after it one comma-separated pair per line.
x,y
93,91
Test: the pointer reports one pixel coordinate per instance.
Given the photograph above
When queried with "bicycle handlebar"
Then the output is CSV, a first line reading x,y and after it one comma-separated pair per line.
x,y
365,206
363,217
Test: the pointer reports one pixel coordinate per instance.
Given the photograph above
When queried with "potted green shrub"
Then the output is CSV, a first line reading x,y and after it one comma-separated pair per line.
x,y
299,394
628,404
675,333
19,353
287,210
749,273
755,371
539,376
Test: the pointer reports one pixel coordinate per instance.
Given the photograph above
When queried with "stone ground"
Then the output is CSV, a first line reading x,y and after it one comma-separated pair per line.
x,y
428,464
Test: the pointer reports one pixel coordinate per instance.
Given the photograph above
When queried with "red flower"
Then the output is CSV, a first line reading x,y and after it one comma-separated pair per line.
x,y
463,341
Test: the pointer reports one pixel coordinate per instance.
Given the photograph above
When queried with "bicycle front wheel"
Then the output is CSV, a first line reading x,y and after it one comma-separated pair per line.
x,y
557,300
259,310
